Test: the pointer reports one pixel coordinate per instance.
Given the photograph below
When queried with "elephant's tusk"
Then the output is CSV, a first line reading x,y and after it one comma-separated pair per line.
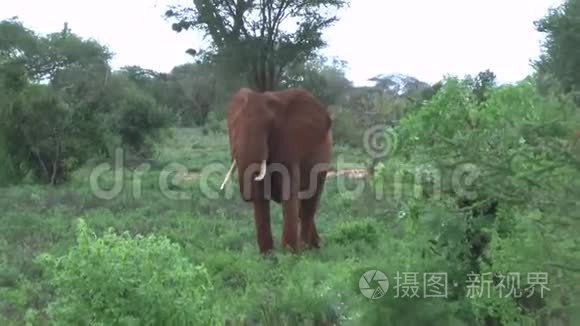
x,y
228,175
262,171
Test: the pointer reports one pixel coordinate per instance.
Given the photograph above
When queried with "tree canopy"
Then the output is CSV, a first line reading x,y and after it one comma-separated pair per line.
x,y
561,49
255,38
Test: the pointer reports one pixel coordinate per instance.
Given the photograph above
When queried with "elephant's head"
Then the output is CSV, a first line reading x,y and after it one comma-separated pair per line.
x,y
250,123
279,127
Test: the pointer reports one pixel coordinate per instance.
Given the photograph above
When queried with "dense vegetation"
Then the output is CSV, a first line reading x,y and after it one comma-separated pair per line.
x,y
472,180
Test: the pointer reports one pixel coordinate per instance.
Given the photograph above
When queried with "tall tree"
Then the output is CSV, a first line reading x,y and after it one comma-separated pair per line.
x,y
398,84
322,77
60,104
482,83
46,57
561,49
254,38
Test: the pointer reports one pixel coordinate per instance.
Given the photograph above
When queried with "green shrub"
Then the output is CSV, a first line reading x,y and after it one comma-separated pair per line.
x,y
346,128
364,231
213,124
142,118
131,117
83,111
516,139
508,179
41,135
118,279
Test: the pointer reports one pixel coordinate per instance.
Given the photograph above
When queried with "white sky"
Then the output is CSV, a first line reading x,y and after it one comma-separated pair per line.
x,y
423,38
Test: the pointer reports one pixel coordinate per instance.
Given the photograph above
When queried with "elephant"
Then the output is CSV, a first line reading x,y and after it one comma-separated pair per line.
x,y
281,143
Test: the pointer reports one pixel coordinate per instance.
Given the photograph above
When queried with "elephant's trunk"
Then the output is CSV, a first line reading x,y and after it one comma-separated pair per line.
x,y
251,157
249,137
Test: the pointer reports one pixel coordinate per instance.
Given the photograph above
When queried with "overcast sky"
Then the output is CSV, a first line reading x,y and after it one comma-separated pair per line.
x,y
422,38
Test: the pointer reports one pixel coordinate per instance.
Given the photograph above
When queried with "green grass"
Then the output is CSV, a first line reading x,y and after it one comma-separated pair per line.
x,y
214,236
217,232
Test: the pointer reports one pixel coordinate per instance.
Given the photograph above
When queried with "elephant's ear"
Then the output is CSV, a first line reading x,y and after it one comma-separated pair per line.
x,y
303,120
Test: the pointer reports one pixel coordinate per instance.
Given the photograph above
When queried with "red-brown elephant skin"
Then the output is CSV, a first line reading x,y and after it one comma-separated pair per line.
x,y
281,144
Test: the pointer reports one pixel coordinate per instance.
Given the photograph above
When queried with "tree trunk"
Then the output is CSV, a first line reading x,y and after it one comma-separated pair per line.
x,y
265,75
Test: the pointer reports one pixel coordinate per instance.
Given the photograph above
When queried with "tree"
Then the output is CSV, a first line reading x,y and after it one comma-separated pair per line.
x,y
189,91
252,38
561,48
523,187
481,84
195,87
45,57
326,80
398,84
61,105
45,127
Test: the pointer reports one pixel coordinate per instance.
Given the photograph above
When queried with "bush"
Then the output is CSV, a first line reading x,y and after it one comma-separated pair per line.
x,y
346,128
140,118
119,279
365,108
49,133
130,116
364,231
517,140
41,135
82,112
508,176
214,125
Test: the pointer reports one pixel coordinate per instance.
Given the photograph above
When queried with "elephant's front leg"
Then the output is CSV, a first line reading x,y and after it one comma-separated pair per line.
x,y
263,227
290,227
291,208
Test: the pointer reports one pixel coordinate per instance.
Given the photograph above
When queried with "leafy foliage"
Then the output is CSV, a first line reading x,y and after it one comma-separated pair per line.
x,y
190,91
518,140
483,182
51,128
131,113
118,279
252,37
561,54
45,57
391,98
326,81
38,123
505,171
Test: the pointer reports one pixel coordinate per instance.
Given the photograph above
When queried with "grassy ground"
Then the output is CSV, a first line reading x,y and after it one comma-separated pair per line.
x,y
53,270
214,231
